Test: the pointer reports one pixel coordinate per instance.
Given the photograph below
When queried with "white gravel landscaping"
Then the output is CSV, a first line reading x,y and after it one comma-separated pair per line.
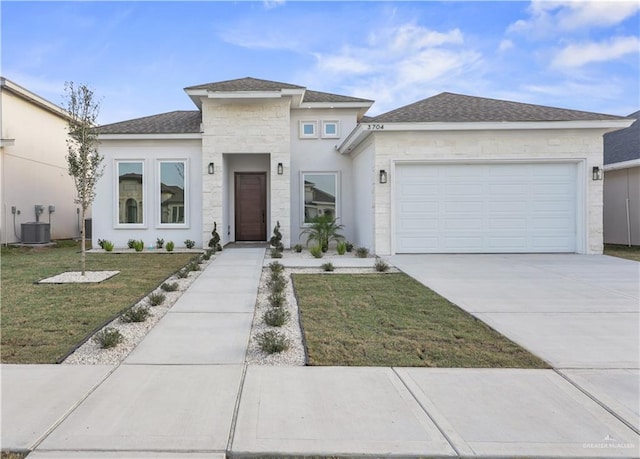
x,y
76,277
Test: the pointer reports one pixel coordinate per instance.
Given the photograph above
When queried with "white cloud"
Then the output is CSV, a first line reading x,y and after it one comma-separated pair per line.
x,y
577,55
270,4
505,45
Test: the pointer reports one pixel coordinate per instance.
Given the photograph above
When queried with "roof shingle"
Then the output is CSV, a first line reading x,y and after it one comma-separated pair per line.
x,y
245,84
623,145
178,122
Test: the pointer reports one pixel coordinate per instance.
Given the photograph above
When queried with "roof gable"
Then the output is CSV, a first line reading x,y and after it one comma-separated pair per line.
x,y
623,145
244,84
178,122
457,108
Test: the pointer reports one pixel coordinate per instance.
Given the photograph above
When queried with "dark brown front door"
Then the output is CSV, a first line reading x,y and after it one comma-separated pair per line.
x,y
251,206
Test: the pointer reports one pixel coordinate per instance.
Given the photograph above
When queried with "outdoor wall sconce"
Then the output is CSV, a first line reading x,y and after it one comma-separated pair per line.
x,y
383,176
211,168
597,173
280,169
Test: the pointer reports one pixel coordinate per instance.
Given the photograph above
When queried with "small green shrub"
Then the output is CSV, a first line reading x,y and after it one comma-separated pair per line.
x,y
138,245
328,266
381,266
170,246
138,314
341,247
277,299
156,298
169,286
272,342
107,246
131,243
159,243
362,252
276,240
316,251
349,247
276,317
108,337
276,284
194,266
189,244
275,253
214,242
183,273
276,267
297,248
206,255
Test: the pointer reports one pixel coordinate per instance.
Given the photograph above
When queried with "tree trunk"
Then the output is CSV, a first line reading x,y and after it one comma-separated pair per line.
x,y
83,256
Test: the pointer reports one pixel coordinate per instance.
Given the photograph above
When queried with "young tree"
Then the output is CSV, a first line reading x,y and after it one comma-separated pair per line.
x,y
83,160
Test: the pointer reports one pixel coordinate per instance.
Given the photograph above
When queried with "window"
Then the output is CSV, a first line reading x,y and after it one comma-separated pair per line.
x,y
320,192
130,192
172,192
308,129
330,129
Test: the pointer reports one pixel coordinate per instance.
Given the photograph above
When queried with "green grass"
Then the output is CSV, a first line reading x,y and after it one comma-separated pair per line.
x,y
41,323
13,455
623,251
392,320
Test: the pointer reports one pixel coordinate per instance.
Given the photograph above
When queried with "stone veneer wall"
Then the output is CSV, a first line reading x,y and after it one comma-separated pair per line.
x,y
256,126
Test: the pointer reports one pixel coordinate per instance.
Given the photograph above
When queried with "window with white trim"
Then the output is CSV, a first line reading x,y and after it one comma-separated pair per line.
x,y
131,195
172,192
320,195
330,129
308,129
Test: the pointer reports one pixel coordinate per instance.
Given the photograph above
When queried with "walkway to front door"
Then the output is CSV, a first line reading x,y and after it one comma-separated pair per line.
x,y
251,206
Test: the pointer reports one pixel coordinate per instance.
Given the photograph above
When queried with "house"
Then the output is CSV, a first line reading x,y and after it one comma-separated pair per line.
x,y
450,173
35,185
622,185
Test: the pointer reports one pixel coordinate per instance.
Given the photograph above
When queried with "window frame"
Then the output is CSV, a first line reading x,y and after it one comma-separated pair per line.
x,y
158,194
301,132
337,208
325,135
144,201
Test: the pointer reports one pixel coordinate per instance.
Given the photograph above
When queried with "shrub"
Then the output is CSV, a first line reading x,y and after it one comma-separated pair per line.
x,y
349,246
381,266
108,337
323,229
275,253
362,252
138,314
189,244
169,286
107,245
206,255
159,243
170,246
276,284
276,317
328,266
193,266
277,299
276,267
131,243
156,299
276,240
183,273
272,342
138,245
297,248
316,251
214,242
341,247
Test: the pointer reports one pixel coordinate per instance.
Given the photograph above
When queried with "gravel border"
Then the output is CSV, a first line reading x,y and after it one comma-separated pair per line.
x,y
76,277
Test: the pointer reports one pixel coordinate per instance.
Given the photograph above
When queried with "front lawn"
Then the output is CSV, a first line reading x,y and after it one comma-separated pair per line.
x,y
623,251
41,323
393,320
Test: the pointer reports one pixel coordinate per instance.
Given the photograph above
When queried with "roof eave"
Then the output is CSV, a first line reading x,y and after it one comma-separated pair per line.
x,y
34,98
151,136
622,165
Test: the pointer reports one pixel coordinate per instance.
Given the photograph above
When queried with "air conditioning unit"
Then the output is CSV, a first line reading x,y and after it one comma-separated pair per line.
x,y
36,233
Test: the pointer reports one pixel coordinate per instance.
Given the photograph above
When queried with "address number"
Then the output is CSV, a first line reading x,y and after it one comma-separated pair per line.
x,y
375,127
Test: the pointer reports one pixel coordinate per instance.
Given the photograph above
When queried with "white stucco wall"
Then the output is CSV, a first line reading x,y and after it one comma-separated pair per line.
x,y
105,224
620,185
584,146
363,176
34,169
320,155
259,126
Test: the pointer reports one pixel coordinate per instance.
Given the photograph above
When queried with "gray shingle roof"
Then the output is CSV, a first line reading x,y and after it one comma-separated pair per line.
x,y
316,96
623,145
457,108
178,122
245,84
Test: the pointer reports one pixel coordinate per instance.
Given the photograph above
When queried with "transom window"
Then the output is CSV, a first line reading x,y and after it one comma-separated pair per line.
x,y
320,195
130,192
308,129
172,193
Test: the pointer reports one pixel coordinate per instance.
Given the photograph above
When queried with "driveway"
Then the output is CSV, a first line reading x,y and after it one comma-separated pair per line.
x,y
574,311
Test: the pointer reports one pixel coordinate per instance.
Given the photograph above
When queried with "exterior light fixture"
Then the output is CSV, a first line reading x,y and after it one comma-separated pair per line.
x,y
383,176
280,169
211,168
597,173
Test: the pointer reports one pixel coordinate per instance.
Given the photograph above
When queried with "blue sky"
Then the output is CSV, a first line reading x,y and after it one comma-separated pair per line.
x,y
138,56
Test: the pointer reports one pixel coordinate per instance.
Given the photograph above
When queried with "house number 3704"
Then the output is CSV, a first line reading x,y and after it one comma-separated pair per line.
x,y
375,127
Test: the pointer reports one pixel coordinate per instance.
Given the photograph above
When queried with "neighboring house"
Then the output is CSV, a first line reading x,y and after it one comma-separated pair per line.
x,y
450,173
622,185
33,167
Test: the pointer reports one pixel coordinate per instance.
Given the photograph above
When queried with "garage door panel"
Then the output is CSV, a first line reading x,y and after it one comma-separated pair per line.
x,y
476,208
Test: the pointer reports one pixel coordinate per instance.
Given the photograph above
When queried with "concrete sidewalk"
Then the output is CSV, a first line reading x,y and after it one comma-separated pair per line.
x,y
185,392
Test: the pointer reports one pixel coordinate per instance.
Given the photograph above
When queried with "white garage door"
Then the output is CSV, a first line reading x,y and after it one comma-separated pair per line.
x,y
485,208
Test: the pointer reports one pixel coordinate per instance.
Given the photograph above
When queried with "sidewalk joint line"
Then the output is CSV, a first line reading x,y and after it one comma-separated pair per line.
x,y
236,409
